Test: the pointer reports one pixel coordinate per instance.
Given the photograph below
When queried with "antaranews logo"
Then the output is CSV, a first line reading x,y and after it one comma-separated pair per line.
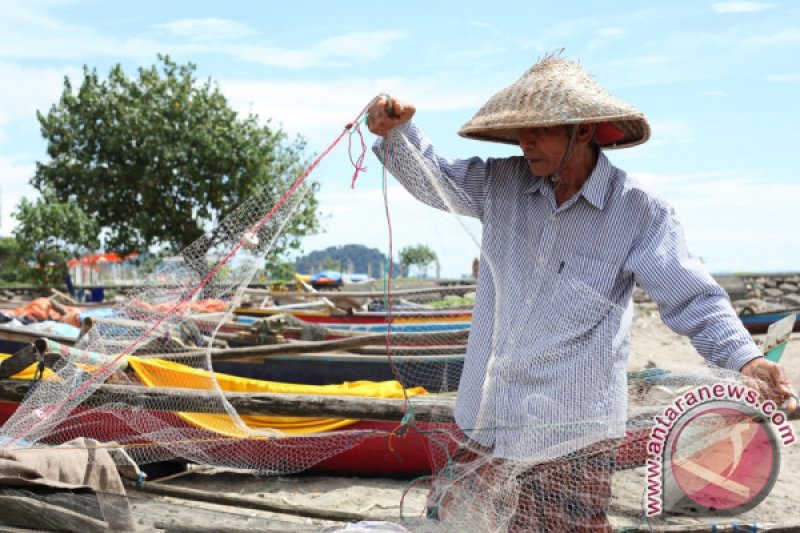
x,y
714,450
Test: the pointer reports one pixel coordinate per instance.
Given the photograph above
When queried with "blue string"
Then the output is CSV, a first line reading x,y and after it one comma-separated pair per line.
x,y
37,377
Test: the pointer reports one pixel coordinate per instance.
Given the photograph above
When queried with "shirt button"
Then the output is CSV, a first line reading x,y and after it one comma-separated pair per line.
x,y
540,260
551,218
528,301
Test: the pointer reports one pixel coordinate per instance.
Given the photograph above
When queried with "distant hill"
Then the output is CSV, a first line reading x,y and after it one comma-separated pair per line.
x,y
352,258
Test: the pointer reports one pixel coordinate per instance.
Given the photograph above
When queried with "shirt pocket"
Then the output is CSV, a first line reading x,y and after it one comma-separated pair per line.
x,y
596,275
571,328
579,303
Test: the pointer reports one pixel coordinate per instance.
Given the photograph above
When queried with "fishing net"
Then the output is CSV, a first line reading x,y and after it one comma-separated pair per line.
x,y
540,429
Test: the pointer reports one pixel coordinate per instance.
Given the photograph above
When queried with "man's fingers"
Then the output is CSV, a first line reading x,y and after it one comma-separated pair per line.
x,y
404,111
785,387
770,380
791,405
390,107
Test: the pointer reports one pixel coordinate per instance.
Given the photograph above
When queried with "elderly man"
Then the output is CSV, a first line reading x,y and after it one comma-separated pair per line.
x,y
566,235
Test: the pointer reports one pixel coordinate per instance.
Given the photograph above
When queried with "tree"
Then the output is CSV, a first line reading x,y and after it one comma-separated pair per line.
x,y
49,232
420,256
161,158
11,266
279,271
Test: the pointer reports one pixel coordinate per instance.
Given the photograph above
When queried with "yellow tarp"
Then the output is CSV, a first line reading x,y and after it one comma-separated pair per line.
x,y
160,373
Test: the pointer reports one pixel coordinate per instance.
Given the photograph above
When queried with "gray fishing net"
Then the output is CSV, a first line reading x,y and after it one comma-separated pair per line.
x,y
541,429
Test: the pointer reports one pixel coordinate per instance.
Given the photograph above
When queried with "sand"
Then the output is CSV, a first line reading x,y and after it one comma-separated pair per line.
x,y
379,499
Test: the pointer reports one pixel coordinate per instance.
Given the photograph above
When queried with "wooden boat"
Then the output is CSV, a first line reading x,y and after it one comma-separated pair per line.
x,y
352,356
759,322
374,321
437,373
377,447
14,338
374,448
358,296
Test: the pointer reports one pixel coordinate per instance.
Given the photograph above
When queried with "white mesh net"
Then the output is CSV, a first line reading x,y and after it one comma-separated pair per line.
x,y
552,432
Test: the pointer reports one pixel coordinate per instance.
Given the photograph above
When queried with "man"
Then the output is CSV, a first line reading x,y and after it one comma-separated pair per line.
x,y
566,235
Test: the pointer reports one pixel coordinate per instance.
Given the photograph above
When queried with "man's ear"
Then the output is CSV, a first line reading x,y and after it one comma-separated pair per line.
x,y
585,133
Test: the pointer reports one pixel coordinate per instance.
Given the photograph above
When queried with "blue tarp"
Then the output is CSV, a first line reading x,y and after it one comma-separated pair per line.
x,y
331,275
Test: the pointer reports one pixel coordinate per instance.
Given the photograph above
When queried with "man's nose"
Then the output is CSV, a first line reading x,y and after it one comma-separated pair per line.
x,y
526,138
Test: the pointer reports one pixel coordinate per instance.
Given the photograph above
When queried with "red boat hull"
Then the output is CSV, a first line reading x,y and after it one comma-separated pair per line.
x,y
366,448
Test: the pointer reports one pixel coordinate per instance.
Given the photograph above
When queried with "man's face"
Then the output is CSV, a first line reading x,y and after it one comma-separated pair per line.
x,y
544,148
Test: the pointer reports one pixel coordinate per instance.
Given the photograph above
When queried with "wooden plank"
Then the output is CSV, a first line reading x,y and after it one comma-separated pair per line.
x,y
244,502
22,334
449,349
267,527
23,511
399,293
426,408
296,347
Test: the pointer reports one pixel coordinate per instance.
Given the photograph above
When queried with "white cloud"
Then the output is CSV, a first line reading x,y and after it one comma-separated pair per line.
x,y
735,220
335,51
206,29
320,109
30,32
27,90
14,176
741,7
787,37
791,77
678,184
670,132
412,223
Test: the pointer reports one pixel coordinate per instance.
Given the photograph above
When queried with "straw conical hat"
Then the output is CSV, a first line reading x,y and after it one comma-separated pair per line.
x,y
555,92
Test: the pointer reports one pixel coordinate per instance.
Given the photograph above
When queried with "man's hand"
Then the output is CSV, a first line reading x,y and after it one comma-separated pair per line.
x,y
770,381
387,112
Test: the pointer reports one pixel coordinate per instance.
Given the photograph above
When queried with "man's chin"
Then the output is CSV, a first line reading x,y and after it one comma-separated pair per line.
x,y
538,169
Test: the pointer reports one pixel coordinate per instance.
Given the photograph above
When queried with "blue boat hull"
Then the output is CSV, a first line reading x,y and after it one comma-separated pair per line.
x,y
759,322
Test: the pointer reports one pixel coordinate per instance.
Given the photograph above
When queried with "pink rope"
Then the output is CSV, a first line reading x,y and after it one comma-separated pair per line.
x,y
358,164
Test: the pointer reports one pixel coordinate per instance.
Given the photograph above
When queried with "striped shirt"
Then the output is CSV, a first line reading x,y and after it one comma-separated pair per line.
x,y
545,369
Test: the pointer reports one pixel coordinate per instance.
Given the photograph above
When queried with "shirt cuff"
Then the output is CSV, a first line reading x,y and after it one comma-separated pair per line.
x,y
743,356
378,146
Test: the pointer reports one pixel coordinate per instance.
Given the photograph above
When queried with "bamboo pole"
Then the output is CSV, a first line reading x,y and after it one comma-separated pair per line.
x,y
296,347
366,294
271,527
450,349
245,502
426,407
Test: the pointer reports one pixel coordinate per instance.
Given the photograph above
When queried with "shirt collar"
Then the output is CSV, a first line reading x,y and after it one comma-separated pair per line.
x,y
595,190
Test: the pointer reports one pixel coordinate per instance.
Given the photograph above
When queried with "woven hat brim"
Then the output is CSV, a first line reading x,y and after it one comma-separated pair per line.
x,y
636,129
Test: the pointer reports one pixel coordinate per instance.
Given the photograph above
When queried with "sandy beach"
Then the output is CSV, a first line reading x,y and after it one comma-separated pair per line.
x,y
653,344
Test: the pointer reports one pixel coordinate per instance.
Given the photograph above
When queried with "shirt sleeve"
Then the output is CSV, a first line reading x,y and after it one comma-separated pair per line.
x,y
453,185
691,303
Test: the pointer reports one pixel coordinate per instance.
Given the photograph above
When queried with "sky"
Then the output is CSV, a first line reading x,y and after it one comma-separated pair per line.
x,y
718,81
